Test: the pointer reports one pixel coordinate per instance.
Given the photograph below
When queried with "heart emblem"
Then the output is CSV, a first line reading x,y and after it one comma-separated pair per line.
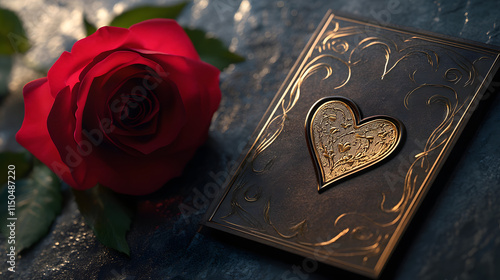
x,y
341,144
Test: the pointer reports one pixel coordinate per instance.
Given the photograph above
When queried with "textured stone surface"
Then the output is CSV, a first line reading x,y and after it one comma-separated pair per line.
x,y
456,234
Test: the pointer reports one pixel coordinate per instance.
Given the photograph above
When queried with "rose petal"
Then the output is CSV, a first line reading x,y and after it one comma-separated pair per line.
x,y
136,109
138,175
100,105
112,63
97,109
67,68
163,35
61,127
171,120
154,35
172,115
34,135
200,95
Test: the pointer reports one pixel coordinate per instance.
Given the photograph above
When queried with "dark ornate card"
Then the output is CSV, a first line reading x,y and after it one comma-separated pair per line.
x,y
353,140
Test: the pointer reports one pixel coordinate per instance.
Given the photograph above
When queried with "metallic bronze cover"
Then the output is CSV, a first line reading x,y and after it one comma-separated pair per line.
x,y
377,169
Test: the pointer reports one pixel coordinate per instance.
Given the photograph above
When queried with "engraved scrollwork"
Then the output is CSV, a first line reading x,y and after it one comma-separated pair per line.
x,y
339,46
373,240
437,139
274,128
453,75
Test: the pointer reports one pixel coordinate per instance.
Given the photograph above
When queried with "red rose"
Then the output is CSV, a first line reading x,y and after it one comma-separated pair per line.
x,y
126,108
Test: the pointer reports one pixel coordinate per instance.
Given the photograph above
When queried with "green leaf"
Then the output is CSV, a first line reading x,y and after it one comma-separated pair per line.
x,y
107,214
23,161
12,36
38,201
212,50
142,13
89,27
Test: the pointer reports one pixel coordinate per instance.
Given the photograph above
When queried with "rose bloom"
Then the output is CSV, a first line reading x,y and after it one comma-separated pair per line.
x,y
126,108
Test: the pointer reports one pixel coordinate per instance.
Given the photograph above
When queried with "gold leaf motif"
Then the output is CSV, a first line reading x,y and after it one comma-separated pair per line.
x,y
344,147
345,125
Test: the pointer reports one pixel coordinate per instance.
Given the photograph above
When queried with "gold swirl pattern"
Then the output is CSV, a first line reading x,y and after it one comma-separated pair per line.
x,y
276,125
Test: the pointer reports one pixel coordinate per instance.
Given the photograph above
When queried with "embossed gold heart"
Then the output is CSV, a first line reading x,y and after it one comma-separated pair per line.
x,y
341,144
